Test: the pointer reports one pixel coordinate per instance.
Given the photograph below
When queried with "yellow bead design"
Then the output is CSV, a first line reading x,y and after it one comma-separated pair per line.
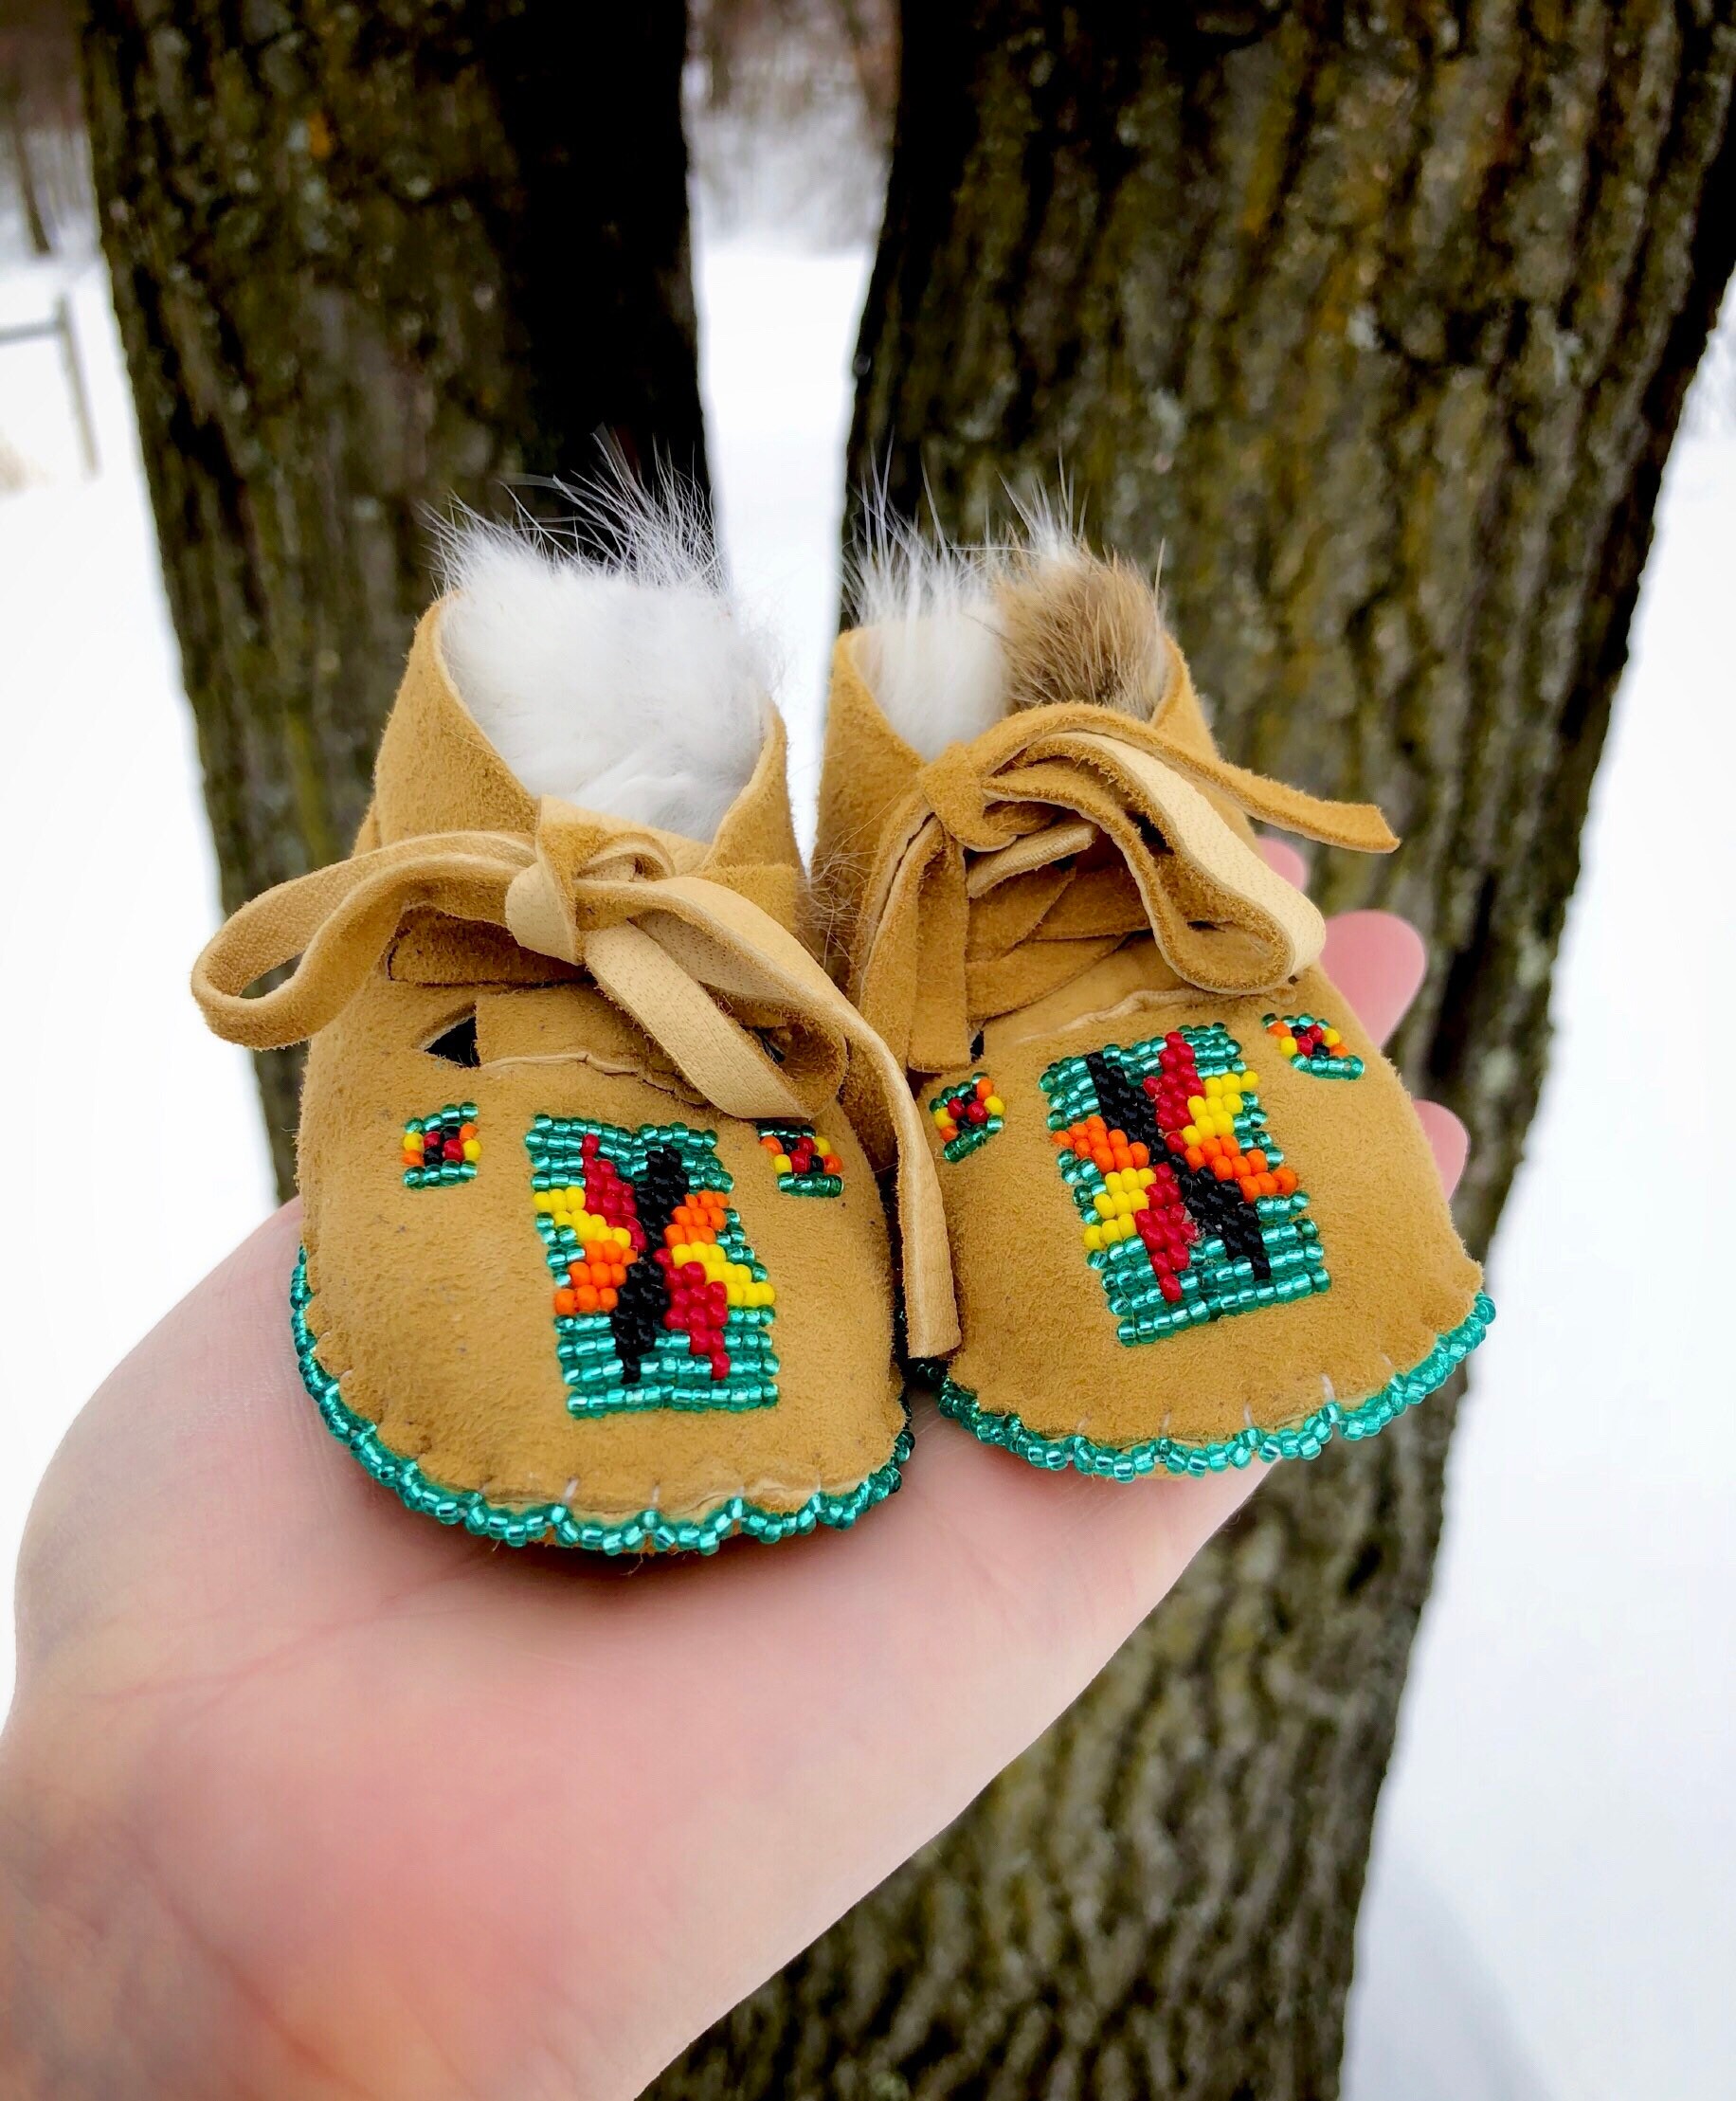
x,y
738,1281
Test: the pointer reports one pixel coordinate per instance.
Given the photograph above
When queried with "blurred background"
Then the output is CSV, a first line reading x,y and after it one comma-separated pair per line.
x,y
1548,1916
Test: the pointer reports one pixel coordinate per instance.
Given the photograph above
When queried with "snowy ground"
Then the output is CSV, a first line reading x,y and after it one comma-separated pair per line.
x,y
1549,1918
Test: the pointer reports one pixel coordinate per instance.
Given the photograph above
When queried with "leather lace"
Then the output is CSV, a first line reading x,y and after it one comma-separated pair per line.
x,y
1015,861
698,966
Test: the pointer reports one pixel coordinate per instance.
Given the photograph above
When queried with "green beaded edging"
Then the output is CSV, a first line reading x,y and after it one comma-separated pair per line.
x,y
1302,1440
650,1531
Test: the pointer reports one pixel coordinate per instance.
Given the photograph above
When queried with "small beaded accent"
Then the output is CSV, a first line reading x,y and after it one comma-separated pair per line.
x,y
1314,1046
805,1162
658,1300
967,1116
1304,1439
1190,1212
442,1149
651,1531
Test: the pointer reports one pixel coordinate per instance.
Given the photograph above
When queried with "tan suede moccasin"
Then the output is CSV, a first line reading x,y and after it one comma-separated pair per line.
x,y
593,1254
1193,1217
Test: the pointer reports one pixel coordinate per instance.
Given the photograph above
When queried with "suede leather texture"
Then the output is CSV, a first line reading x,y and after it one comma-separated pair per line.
x,y
434,1307
1039,1338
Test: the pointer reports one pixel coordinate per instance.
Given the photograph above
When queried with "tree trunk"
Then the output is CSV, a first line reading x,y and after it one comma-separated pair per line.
x,y
367,261
1375,320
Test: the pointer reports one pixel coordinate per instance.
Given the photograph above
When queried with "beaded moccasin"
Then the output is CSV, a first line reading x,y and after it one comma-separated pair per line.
x,y
593,1256
1193,1217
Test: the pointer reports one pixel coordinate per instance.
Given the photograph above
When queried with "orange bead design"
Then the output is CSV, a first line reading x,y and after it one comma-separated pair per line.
x,y
658,1300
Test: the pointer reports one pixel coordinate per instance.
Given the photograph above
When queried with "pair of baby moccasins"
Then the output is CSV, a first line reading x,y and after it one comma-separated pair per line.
x,y
592,1142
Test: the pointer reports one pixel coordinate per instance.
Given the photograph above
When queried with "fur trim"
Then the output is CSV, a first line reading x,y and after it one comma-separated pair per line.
x,y
622,681
1078,627
956,637
932,649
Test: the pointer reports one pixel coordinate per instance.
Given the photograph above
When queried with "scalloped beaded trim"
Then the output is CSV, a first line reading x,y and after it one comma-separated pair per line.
x,y
967,1116
1301,1441
1314,1046
554,1524
442,1149
806,1164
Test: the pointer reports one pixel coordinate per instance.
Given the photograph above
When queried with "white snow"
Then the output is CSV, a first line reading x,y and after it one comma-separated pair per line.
x,y
132,1147
1550,1914
1564,1777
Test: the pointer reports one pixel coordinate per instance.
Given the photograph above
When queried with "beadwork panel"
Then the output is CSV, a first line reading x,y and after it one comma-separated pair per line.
x,y
442,1149
1314,1046
966,1116
660,1302
1190,1213
806,1164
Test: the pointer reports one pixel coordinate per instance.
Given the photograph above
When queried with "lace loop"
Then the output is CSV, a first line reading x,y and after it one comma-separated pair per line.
x,y
695,964
1016,860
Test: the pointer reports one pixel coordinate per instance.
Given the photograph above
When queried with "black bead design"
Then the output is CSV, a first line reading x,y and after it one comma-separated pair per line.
x,y
1218,1209
1220,1212
642,1303
1123,1106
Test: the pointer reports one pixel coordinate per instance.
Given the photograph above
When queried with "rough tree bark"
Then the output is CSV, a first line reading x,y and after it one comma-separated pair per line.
x,y
367,260
1377,319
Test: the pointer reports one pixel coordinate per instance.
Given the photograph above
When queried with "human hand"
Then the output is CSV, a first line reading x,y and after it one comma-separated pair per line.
x,y
301,1795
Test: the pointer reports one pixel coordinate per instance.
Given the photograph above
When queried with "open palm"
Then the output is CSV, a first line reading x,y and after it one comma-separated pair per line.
x,y
303,1795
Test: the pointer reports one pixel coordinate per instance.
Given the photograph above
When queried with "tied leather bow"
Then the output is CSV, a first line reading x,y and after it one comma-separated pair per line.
x,y
683,954
1016,860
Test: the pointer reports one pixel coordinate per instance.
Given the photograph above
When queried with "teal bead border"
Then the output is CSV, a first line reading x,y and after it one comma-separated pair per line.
x,y
974,1139
553,1523
1302,1440
811,1185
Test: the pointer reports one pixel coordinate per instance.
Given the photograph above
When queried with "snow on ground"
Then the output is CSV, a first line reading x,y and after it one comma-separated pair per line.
x,y
1548,1918
135,1156
1564,1777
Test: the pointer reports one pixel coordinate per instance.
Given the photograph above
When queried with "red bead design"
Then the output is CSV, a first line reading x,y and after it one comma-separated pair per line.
x,y
607,1194
803,1154
699,1307
1161,1218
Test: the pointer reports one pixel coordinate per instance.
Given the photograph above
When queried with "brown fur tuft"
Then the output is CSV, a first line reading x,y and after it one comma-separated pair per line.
x,y
1075,628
